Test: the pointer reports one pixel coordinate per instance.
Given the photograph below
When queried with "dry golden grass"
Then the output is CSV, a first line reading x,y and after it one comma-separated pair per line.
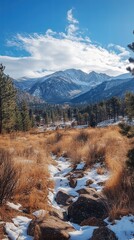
x,y
31,159
91,145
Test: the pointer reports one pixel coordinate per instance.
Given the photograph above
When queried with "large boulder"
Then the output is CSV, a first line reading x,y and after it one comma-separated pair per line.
x,y
50,227
86,207
63,198
103,233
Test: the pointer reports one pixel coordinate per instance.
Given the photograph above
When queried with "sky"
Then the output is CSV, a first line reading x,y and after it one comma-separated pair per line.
x,y
39,37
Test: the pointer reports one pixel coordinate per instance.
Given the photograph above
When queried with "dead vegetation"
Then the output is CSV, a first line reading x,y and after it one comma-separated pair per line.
x,y
30,156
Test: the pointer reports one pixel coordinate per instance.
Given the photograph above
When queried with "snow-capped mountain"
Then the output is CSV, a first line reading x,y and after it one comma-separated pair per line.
x,y
55,89
62,86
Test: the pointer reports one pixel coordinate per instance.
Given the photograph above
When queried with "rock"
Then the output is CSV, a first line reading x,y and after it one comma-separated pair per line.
x,y
82,191
93,221
77,174
89,182
101,183
56,213
51,228
92,192
72,182
26,210
103,233
86,207
63,198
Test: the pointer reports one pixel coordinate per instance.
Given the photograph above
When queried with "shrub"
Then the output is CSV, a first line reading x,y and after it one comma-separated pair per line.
x,y
8,176
125,128
82,137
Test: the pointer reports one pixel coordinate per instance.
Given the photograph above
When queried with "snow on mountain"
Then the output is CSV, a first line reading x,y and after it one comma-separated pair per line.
x,y
123,76
62,86
55,89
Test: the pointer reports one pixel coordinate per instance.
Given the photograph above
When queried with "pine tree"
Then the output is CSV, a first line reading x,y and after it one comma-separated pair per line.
x,y
86,117
26,123
129,99
64,117
92,120
7,102
18,120
115,104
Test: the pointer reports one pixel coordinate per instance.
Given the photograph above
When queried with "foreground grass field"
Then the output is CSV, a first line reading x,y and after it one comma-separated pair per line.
x,y
25,160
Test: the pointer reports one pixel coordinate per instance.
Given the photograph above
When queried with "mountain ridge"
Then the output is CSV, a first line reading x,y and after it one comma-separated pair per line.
x,y
69,85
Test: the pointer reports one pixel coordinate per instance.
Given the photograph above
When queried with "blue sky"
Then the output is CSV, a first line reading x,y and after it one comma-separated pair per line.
x,y
42,36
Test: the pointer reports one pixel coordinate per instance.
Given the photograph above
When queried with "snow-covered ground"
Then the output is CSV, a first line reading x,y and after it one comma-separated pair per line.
x,y
123,228
112,122
63,167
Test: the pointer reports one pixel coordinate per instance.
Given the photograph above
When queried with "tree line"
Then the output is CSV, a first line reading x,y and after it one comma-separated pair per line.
x,y
13,116
88,114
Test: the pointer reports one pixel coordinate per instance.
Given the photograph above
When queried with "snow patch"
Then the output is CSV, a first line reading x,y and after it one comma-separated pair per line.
x,y
14,206
123,228
18,229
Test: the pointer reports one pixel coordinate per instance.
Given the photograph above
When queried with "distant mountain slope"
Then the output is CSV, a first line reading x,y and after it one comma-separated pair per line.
x,y
25,83
106,90
61,86
25,96
55,90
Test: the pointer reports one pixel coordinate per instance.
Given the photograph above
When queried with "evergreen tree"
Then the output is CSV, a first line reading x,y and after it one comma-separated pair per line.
x,y
7,102
114,103
64,117
38,119
26,123
18,120
92,120
31,117
129,99
86,117
52,116
46,119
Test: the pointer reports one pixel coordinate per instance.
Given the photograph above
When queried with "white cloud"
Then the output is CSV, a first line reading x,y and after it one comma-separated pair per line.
x,y
54,51
121,50
70,17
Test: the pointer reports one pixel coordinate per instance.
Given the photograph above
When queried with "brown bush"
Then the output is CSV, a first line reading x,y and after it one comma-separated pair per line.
x,y
120,193
8,176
